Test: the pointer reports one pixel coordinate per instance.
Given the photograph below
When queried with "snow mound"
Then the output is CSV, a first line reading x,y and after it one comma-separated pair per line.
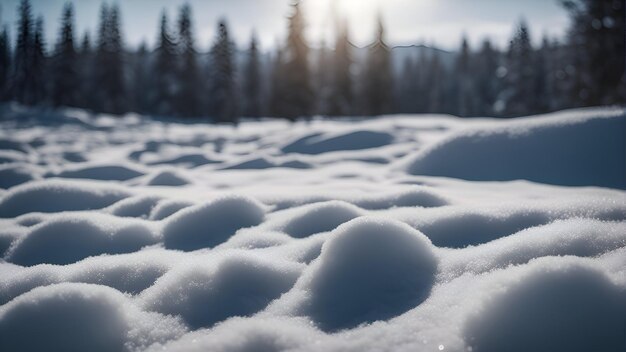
x,y
209,224
101,172
354,140
369,269
36,197
207,292
414,197
569,148
319,217
80,317
168,207
167,178
136,207
569,307
579,237
68,239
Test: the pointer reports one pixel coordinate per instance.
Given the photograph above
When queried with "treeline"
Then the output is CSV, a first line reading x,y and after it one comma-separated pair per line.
x,y
174,79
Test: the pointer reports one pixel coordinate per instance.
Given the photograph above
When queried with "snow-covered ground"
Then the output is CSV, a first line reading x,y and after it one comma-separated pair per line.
x,y
404,233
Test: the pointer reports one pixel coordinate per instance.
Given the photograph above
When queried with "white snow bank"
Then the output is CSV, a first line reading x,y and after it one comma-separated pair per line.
x,y
208,291
369,269
80,317
579,237
56,195
69,238
566,307
575,148
209,224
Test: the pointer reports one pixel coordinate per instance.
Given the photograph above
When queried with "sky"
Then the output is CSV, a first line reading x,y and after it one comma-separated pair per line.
x,y
439,23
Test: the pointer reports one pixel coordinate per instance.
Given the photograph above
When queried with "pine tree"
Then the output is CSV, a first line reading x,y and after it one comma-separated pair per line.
x,y
322,80
38,64
520,81
342,96
435,82
109,65
165,85
277,89
408,87
85,74
24,50
141,79
5,63
188,98
487,87
223,72
378,76
64,76
464,89
597,51
298,94
252,86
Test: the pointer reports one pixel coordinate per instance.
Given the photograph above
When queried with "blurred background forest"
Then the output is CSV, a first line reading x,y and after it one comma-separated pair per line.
x,y
298,79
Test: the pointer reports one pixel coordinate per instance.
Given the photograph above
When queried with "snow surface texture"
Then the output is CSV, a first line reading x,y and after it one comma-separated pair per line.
x,y
403,233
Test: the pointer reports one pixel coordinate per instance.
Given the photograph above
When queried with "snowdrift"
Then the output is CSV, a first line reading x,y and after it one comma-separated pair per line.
x,y
571,149
129,234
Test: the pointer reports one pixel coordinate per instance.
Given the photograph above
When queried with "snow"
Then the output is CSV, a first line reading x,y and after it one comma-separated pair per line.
x,y
574,149
399,233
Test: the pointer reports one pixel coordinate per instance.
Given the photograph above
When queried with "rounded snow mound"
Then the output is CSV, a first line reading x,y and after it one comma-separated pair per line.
x,y
56,196
101,172
68,239
80,317
320,217
567,307
369,269
208,292
168,207
209,224
167,178
135,207
414,197
352,140
575,148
